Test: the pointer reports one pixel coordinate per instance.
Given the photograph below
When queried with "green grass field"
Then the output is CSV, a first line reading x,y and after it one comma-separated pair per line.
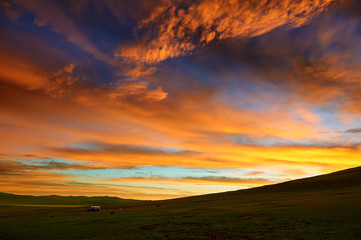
x,y
323,207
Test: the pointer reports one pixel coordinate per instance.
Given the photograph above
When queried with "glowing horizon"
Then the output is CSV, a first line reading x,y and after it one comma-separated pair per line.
x,y
165,99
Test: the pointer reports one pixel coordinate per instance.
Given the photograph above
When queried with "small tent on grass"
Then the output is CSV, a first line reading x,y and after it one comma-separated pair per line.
x,y
94,209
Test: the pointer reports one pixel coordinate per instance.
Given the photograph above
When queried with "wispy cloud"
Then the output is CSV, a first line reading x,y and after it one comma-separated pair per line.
x,y
54,15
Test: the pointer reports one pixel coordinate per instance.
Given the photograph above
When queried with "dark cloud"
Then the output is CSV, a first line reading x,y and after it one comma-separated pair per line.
x,y
206,179
353,130
255,173
232,180
31,156
99,148
11,167
313,63
353,7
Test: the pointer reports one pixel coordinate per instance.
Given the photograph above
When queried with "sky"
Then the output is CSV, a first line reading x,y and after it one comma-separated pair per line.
x,y
159,99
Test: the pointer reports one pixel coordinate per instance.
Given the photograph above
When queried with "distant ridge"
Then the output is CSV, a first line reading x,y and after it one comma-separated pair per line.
x,y
9,198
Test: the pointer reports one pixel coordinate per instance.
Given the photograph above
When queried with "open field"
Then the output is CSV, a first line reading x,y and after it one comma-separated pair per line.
x,y
323,207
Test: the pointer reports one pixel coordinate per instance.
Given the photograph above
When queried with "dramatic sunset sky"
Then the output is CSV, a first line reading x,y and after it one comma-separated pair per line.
x,y
155,99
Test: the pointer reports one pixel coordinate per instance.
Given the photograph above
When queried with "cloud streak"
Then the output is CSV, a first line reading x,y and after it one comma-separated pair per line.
x,y
57,18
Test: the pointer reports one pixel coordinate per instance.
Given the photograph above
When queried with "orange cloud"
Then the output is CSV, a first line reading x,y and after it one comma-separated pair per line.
x,y
189,120
177,31
61,81
139,89
19,71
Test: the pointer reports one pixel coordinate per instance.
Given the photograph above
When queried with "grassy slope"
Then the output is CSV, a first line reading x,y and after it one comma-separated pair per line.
x,y
323,207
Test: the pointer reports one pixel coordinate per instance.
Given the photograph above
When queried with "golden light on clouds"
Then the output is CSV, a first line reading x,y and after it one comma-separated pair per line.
x,y
178,31
161,99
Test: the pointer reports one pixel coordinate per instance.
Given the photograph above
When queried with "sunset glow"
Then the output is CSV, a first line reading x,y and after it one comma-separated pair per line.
x,y
158,99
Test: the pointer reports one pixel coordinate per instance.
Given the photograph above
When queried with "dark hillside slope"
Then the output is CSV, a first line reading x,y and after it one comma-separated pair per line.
x,y
348,178
343,182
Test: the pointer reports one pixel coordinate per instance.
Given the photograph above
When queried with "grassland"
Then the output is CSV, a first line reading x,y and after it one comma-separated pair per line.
x,y
323,207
